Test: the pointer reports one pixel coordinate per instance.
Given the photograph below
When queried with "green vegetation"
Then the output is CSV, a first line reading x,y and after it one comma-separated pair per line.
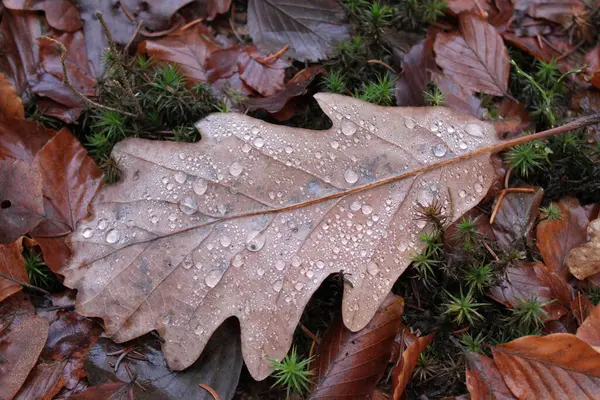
x,y
292,373
464,307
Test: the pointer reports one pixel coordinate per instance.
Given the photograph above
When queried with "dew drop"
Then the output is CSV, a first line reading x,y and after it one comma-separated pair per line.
x,y
474,130
225,241
87,233
102,224
279,265
259,142
278,285
402,247
289,149
187,263
421,224
348,127
198,265
154,219
260,272
236,169
199,186
246,148
188,205
366,209
296,262
310,274
462,145
213,277
182,156
355,206
180,177
478,188
439,150
462,193
255,241
254,129
221,208
335,145
320,264
299,286
351,176
434,127
113,236
373,268
410,123
166,319
237,261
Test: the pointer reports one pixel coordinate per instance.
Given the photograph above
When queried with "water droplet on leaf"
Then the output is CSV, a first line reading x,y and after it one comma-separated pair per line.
x,y
113,236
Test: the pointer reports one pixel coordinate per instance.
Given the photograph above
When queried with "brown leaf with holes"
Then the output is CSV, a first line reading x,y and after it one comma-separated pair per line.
x,y
484,381
584,260
20,346
589,331
61,14
557,366
556,238
402,372
11,105
475,58
12,268
349,364
250,220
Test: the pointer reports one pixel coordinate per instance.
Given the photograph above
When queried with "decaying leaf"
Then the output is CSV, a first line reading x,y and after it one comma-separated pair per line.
x,y
310,30
484,380
349,364
249,221
557,366
584,260
11,105
12,268
476,58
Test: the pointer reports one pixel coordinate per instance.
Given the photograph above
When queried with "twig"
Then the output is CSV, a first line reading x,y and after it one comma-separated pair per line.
x,y
309,333
210,390
25,284
190,24
275,56
67,83
382,63
122,356
137,30
126,11
502,196
113,48
162,33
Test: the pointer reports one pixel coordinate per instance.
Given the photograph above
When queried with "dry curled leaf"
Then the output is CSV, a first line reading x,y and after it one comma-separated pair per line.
x,y
557,366
584,260
349,364
11,105
476,58
250,220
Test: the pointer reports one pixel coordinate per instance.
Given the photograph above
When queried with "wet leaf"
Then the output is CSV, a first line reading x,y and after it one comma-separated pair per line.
x,y
11,105
311,30
61,14
20,347
108,391
557,366
556,238
264,77
584,260
219,367
22,139
589,331
476,58
55,250
484,381
516,217
12,268
402,373
70,180
349,364
254,205
562,12
21,205
417,66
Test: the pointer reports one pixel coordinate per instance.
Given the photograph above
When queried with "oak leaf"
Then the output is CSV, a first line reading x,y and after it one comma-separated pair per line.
x,y
249,221
557,366
476,58
584,260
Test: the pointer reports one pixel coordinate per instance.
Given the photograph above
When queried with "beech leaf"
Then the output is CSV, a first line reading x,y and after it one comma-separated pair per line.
x,y
484,380
250,220
584,260
476,58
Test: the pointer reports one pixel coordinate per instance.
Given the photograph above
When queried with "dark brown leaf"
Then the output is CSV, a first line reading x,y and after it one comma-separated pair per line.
x,y
402,372
512,118
560,11
417,66
22,139
556,238
557,366
61,14
484,381
12,268
516,217
310,29
20,349
108,391
589,331
70,180
458,97
349,364
476,58
21,203
264,77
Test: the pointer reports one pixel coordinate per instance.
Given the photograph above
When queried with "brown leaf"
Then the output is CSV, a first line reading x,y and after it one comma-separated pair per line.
x,y
581,307
251,206
22,139
108,391
417,66
207,9
524,282
349,364
402,372
484,381
70,180
559,11
476,58
557,366
21,205
589,331
61,14
458,97
12,268
264,77
295,87
592,61
556,238
584,260
20,349
516,217
512,118
311,31
55,250
11,105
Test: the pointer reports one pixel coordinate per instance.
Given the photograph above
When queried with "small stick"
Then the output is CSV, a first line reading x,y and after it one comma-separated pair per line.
x,y
275,55
25,284
210,390
503,195
309,333
382,63
137,30
122,356
67,83
162,33
190,24
126,11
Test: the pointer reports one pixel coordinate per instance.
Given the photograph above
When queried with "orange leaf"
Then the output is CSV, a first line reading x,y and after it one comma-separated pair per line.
x,y
589,331
11,105
402,372
484,380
